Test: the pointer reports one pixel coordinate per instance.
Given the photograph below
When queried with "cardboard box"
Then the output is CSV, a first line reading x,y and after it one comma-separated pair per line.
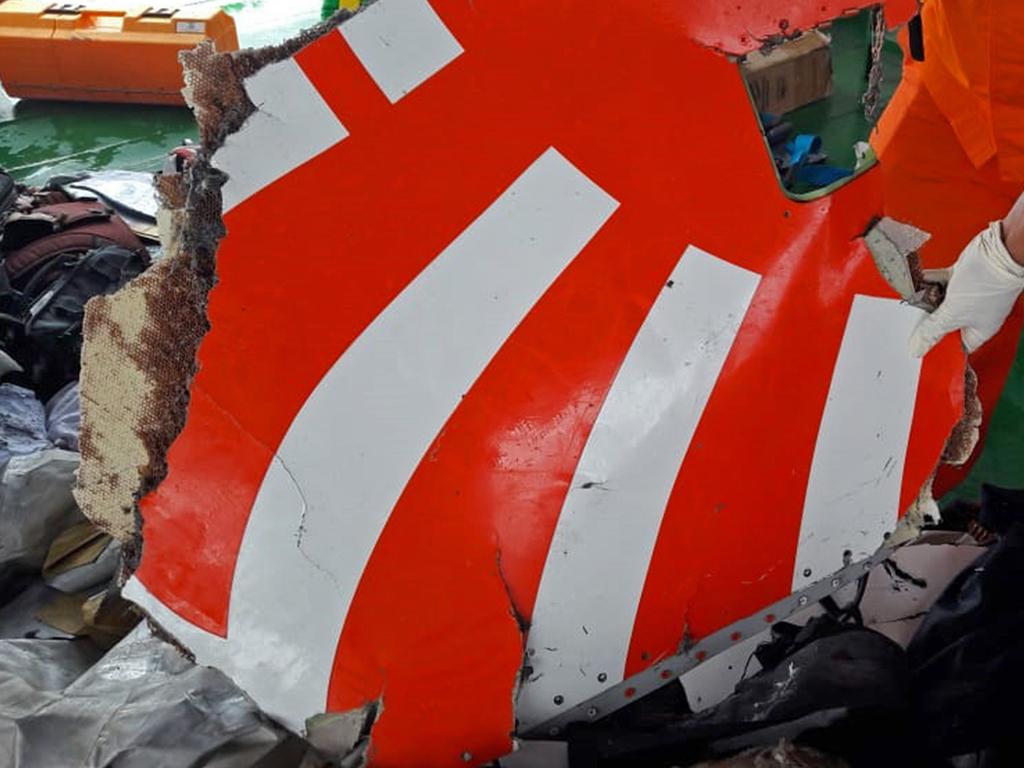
x,y
792,75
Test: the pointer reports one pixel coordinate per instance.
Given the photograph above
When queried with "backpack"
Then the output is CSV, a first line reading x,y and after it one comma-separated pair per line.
x,y
55,257
32,242
60,311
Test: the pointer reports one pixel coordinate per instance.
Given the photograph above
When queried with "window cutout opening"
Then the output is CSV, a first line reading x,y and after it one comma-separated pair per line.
x,y
810,93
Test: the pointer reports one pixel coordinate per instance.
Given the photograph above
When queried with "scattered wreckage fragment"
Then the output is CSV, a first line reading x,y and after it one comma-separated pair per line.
x,y
912,667
60,245
63,699
508,464
141,704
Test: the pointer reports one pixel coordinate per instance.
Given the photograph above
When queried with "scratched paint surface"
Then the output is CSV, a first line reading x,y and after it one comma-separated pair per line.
x,y
545,296
742,26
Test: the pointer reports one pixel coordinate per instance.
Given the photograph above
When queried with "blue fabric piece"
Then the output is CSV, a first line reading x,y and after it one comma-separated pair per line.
x,y
802,145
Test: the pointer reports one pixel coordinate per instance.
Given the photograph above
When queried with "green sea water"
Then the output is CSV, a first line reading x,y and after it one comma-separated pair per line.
x,y
39,139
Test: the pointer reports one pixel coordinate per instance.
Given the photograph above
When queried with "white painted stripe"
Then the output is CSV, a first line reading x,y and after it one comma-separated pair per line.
x,y
197,640
357,441
275,674
601,550
853,492
292,125
402,43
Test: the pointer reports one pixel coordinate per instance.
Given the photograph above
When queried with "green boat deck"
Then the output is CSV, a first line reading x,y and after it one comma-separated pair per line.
x,y
41,139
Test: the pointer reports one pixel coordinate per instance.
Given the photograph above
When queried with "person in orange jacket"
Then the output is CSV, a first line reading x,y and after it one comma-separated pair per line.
x,y
951,150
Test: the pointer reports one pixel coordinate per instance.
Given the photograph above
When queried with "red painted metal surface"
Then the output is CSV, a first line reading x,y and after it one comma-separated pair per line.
x,y
740,26
651,114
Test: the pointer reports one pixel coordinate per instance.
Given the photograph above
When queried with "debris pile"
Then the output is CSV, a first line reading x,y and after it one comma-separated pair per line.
x,y
60,245
83,681
427,494
141,704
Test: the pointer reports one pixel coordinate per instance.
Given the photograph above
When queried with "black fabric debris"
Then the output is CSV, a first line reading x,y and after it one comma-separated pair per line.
x,y
967,658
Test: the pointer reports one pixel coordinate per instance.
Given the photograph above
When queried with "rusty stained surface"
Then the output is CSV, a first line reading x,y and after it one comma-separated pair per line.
x,y
136,366
140,360
140,352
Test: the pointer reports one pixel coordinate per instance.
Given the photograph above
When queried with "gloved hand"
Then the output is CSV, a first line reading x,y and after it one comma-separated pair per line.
x,y
983,286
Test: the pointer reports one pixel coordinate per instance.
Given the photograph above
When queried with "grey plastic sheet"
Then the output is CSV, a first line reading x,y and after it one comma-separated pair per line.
x,y
18,617
36,505
143,705
64,418
90,577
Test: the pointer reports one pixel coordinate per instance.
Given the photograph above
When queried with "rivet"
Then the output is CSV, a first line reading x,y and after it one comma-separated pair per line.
x,y
592,712
531,652
807,573
467,757
701,655
630,693
802,601
666,674
736,636
559,700
602,678
553,731
836,583
770,618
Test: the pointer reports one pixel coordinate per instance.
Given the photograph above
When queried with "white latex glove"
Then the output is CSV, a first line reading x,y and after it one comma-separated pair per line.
x,y
983,287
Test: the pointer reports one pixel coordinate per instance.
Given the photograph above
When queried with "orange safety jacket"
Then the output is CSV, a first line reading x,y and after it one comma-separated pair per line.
x,y
974,71
951,147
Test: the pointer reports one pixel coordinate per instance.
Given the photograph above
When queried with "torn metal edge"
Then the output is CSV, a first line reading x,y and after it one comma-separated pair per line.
x,y
922,512
192,207
215,90
192,215
667,670
960,445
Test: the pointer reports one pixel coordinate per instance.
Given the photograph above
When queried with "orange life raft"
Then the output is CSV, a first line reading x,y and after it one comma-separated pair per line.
x,y
103,52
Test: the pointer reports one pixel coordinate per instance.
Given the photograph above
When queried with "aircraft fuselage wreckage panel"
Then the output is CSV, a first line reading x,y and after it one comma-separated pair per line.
x,y
527,387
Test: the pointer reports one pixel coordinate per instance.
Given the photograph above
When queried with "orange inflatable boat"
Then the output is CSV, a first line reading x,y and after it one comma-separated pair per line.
x,y
103,51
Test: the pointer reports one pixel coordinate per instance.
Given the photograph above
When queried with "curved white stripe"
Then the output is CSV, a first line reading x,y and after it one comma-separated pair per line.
x,y
275,673
401,43
190,636
853,492
601,550
358,439
292,125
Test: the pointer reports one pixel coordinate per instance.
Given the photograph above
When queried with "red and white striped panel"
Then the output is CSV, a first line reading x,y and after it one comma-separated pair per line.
x,y
520,359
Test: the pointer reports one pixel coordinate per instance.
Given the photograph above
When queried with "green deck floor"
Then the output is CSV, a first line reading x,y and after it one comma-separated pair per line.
x,y
839,120
41,139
